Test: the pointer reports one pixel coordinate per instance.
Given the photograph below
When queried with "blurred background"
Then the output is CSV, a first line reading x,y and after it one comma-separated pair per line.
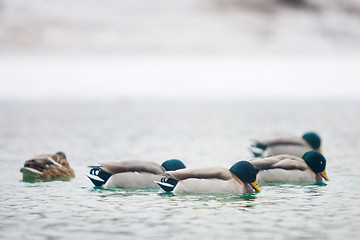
x,y
181,49
195,80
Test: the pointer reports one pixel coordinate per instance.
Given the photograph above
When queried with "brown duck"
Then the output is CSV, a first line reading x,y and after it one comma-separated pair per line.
x,y
47,167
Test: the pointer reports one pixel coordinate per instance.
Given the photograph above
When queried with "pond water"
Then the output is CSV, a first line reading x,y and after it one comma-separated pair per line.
x,y
201,133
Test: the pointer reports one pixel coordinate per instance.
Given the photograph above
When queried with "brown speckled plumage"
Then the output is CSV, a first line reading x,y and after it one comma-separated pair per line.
x,y
47,167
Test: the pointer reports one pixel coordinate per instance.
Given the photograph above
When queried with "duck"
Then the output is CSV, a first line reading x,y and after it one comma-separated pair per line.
x,y
291,169
291,145
131,173
240,178
47,167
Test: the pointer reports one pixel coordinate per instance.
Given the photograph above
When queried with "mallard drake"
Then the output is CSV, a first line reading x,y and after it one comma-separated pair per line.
x,y
240,178
291,169
132,173
47,167
277,145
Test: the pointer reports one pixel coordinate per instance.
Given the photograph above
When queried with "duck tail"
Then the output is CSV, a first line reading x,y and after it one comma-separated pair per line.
x,y
257,149
257,152
167,184
98,176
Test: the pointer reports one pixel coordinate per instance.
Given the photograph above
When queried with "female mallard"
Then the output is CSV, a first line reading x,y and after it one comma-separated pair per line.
x,y
291,169
286,145
240,178
47,167
133,173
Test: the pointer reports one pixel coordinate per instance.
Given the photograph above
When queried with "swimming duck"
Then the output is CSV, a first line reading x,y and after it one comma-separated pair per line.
x,y
132,173
240,178
286,145
291,169
47,167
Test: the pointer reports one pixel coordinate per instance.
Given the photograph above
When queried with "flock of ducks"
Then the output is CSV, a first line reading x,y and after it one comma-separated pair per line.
x,y
280,159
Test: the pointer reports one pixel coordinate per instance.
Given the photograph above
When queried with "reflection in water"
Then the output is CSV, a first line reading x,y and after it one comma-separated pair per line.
x,y
315,190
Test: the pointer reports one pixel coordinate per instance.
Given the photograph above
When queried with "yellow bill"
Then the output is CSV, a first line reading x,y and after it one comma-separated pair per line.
x,y
323,174
255,186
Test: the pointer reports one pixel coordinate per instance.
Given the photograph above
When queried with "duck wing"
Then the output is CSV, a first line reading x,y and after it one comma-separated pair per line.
x,y
286,162
41,162
131,165
201,172
282,140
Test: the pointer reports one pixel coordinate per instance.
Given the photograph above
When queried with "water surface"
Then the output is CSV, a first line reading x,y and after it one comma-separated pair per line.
x,y
197,133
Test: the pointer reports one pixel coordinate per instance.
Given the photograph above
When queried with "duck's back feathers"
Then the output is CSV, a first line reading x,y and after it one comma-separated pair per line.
x,y
202,173
284,161
290,164
282,140
132,165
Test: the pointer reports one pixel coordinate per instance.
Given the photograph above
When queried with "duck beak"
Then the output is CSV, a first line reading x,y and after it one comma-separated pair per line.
x,y
323,174
255,186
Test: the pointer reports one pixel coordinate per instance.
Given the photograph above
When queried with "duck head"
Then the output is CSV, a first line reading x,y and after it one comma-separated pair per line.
x,y
313,140
246,172
173,165
47,167
317,162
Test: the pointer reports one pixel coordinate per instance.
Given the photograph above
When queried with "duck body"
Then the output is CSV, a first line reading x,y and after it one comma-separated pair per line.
x,y
212,186
207,180
133,180
291,145
286,176
291,148
290,169
131,173
47,167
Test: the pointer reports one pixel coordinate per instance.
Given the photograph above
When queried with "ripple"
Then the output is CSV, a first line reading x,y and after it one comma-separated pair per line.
x,y
75,209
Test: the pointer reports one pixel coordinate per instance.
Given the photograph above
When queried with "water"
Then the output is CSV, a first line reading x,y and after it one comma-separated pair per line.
x,y
202,133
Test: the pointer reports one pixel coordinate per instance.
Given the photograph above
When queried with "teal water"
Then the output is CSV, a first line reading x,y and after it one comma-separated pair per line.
x,y
197,133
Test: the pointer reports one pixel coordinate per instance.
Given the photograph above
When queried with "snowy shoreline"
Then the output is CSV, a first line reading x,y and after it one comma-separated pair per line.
x,y
112,77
